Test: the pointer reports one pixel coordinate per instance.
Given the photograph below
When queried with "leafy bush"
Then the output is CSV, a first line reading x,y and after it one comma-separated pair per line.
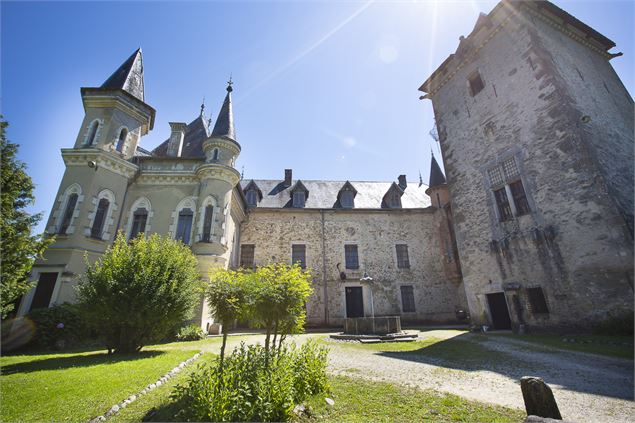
x,y
58,326
190,333
136,292
253,384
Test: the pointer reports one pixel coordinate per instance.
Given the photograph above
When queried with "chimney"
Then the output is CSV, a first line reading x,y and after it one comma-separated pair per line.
x,y
175,144
288,176
402,182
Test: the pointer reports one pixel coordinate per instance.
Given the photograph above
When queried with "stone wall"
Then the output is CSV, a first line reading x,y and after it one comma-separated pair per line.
x,y
572,244
375,232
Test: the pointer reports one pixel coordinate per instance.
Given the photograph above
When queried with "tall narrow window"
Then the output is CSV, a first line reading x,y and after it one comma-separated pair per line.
x,y
92,133
299,199
520,200
504,211
537,301
139,220
403,262
298,255
351,257
184,226
207,223
44,290
122,139
407,299
215,154
247,255
100,218
68,213
476,83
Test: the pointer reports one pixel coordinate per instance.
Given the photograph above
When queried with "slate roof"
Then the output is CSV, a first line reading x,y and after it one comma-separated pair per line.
x,y
196,132
324,194
129,76
436,175
224,126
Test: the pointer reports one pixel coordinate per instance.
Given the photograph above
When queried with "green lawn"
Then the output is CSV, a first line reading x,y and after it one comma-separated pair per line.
x,y
357,400
613,346
78,386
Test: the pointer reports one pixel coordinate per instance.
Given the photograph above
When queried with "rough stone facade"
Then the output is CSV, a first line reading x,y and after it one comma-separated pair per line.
x,y
551,102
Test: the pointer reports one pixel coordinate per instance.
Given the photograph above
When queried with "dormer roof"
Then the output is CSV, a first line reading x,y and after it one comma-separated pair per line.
x,y
299,186
394,190
253,186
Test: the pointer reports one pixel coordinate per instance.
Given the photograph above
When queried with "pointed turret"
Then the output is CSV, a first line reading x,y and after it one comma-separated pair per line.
x,y
436,175
129,76
224,126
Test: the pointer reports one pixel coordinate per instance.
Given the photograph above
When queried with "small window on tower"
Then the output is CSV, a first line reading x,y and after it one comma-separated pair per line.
x,y
476,83
122,139
215,154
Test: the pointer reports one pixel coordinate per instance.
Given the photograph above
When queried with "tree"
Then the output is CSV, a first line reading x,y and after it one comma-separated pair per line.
x,y
276,296
19,248
136,292
226,296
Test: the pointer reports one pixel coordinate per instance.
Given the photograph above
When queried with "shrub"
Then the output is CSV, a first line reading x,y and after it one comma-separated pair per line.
x,y
253,385
190,333
58,326
137,291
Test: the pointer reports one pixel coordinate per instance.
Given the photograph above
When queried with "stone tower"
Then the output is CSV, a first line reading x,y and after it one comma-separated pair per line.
x,y
536,131
87,212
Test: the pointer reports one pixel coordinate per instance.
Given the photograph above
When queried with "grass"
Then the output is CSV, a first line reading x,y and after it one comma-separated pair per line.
x,y
80,385
593,344
357,400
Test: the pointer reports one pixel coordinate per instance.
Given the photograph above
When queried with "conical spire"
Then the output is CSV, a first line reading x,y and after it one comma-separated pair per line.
x,y
224,126
129,76
436,175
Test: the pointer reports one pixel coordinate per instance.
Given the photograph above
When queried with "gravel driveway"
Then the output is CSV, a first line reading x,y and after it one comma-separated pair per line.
x,y
587,387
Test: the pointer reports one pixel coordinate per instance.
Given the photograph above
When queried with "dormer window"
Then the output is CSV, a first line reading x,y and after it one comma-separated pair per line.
x,y
347,199
299,198
253,195
394,200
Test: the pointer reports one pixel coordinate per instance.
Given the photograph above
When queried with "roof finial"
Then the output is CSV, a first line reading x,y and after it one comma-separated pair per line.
x,y
229,84
209,122
420,179
203,106
242,173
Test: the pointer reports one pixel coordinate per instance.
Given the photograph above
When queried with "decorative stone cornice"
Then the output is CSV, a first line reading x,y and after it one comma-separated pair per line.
x,y
119,99
102,159
222,142
218,171
167,178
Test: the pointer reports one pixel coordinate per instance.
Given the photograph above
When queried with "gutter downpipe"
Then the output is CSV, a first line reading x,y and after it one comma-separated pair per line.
x,y
326,292
125,194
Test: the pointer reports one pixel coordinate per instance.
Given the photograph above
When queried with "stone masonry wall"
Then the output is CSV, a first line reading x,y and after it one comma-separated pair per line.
x,y
569,245
273,231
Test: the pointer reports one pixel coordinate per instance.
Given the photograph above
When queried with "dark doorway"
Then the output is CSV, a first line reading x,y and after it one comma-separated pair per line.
x,y
498,310
44,290
354,302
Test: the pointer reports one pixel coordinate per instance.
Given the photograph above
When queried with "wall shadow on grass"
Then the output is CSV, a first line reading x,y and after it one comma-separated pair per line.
x,y
80,360
473,352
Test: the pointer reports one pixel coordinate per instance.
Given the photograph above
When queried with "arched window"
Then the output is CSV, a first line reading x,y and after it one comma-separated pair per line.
x,y
68,213
100,218
123,134
215,154
184,225
139,220
92,133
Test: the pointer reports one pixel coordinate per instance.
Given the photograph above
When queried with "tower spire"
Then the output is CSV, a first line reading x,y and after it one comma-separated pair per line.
x,y
436,175
129,76
224,126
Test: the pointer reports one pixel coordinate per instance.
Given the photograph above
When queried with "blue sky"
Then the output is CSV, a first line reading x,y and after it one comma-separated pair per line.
x,y
328,88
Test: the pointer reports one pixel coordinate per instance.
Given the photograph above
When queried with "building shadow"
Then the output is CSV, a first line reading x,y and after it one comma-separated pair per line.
x,y
574,371
75,361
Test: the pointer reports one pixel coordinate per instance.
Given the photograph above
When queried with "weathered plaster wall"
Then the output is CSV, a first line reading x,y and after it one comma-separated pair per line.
x,y
570,244
273,231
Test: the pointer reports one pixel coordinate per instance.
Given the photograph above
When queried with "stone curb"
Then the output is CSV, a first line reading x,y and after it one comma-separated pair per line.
x,y
132,398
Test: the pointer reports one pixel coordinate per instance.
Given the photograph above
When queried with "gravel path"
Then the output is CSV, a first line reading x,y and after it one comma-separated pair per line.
x,y
587,387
